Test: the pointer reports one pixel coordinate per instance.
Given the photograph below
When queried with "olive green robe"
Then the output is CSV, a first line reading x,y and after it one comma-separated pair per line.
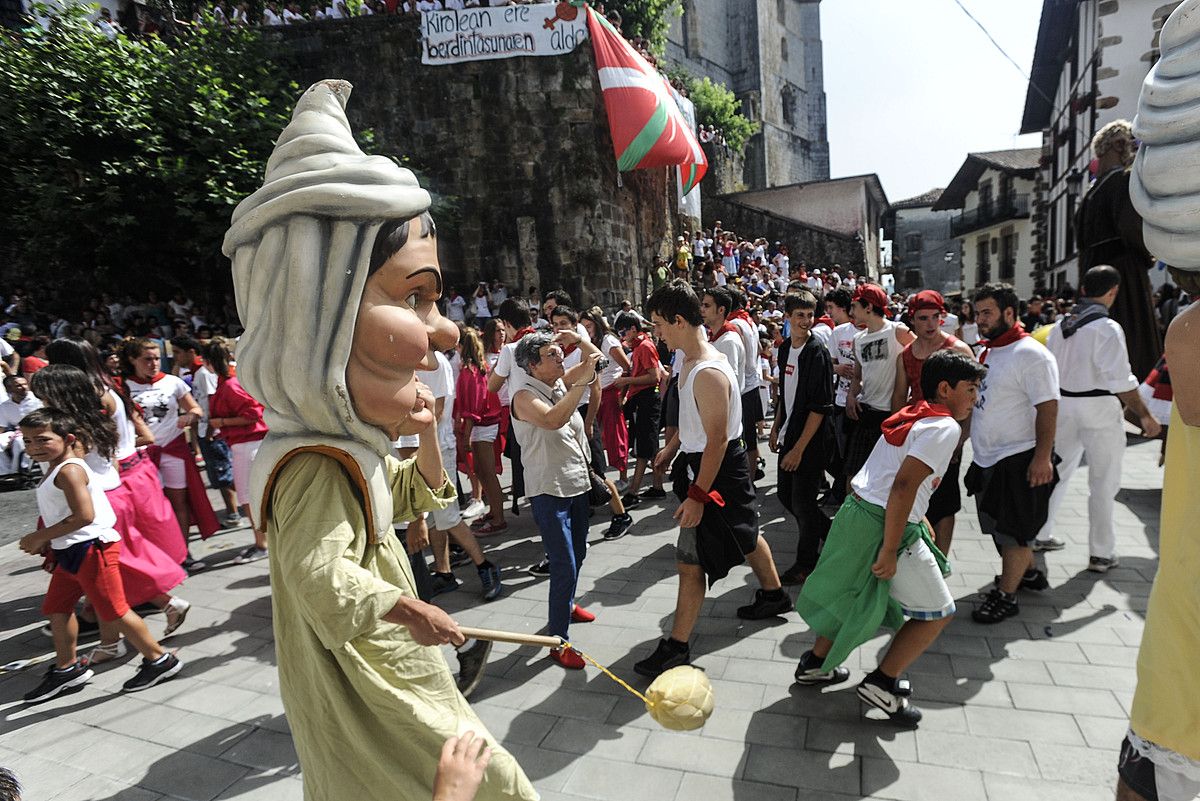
x,y
368,707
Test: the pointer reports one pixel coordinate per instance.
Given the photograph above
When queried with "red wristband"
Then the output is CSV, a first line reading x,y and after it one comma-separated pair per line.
x,y
700,496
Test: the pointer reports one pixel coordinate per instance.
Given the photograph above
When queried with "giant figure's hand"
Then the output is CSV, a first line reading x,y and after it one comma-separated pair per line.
x,y
428,624
422,415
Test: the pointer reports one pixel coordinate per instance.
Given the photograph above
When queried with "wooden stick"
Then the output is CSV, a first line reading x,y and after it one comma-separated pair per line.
x,y
537,640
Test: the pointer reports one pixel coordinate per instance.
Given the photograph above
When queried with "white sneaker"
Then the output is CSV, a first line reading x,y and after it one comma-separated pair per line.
x,y
176,613
106,653
474,509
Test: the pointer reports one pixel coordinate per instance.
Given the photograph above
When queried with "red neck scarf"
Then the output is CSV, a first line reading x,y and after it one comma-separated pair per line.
x,y
896,428
526,330
727,328
740,314
1007,338
159,376
825,319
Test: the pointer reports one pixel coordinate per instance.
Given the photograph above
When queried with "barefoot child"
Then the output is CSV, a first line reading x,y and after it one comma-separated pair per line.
x,y
879,564
85,549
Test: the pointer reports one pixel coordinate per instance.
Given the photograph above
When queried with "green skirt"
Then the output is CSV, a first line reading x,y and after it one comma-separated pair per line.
x,y
842,600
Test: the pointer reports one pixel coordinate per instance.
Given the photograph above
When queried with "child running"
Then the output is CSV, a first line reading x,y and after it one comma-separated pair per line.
x,y
880,564
85,549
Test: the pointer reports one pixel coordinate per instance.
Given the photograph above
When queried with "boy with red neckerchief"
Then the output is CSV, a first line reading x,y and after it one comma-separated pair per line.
x,y
642,407
1012,474
880,564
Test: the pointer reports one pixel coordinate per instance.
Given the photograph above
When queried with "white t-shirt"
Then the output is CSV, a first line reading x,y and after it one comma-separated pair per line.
x,y
692,437
1019,377
160,405
876,354
750,374
787,377
204,385
11,412
570,360
506,367
841,351
291,17
441,383
614,371
970,333
1094,357
481,306
730,344
271,18
53,507
950,324
456,309
932,441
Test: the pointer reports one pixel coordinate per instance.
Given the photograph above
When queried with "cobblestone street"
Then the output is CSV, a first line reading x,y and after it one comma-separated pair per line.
x,y
1031,708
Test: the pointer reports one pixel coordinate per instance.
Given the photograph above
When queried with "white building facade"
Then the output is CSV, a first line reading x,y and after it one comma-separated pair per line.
x,y
993,192
1088,66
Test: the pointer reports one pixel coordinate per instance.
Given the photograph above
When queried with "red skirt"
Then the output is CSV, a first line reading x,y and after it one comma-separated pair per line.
x,y
146,569
613,430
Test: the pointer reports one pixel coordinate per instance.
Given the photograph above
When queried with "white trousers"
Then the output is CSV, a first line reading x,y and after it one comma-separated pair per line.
x,y
1091,426
12,450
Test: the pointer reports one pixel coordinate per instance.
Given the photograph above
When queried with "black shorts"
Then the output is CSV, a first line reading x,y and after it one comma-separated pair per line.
x,y
867,430
670,404
752,415
947,498
1137,771
641,412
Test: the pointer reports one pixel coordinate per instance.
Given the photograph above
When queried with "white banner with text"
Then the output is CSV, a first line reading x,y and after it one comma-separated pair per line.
x,y
480,34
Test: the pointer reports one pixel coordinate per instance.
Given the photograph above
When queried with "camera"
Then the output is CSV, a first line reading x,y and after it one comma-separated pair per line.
x,y
602,365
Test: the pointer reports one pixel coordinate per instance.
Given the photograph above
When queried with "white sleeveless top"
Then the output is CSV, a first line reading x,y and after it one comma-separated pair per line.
x,y
692,438
53,507
126,436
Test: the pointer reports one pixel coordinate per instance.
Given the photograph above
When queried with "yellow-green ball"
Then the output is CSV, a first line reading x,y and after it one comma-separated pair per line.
x,y
680,699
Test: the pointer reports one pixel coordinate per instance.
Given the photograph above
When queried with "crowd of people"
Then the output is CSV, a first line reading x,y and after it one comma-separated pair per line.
x,y
861,393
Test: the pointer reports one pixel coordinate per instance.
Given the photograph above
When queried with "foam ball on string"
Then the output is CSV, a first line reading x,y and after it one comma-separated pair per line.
x,y
680,699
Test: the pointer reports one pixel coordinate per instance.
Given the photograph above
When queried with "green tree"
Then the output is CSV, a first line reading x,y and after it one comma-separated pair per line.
x,y
121,161
716,105
649,19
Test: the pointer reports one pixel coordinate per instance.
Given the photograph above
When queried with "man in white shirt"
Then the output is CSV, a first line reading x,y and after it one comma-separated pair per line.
x,y
751,379
715,306
1095,380
20,403
841,352
506,380
1012,438
876,347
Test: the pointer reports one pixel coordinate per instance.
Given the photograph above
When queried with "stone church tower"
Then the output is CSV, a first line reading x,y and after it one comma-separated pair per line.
x,y
768,52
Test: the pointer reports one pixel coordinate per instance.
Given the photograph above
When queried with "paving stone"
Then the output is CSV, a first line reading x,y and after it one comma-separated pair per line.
x,y
620,781
691,753
911,781
1079,765
1070,700
846,737
807,770
1045,728
587,737
710,788
976,753
1017,788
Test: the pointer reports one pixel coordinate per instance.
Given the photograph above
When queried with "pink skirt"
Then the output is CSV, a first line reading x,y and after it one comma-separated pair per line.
x,y
152,513
146,571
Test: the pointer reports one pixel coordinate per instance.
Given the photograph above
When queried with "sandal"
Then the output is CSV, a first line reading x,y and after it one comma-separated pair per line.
x,y
482,521
490,528
106,653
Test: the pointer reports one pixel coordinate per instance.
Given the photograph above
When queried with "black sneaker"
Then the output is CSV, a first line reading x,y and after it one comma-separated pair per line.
x,y
629,500
1098,564
759,475
890,695
458,557
1048,544
59,681
998,606
86,627
470,666
541,569
794,576
809,671
440,583
766,604
668,655
489,580
1034,580
251,553
619,527
655,492
151,673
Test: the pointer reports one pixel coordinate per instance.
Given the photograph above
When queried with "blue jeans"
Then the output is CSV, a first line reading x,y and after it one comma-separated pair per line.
x,y
563,524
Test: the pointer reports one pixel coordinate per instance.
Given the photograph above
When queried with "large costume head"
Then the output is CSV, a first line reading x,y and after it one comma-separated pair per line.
x,y
1165,186
336,274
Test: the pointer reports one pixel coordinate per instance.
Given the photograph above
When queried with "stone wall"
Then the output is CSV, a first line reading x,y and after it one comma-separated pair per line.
x,y
520,147
816,247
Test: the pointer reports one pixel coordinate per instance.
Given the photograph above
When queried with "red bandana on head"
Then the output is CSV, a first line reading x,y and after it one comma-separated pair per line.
x,y
1007,338
727,328
895,428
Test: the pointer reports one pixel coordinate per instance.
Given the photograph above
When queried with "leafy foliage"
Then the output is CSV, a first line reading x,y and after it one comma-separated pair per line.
x,y
717,106
649,19
121,161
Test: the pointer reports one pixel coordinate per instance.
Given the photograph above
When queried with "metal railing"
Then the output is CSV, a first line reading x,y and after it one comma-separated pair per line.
x,y
999,210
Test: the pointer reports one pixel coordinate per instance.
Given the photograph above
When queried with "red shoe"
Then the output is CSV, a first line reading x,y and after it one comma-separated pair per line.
x,y
568,658
581,615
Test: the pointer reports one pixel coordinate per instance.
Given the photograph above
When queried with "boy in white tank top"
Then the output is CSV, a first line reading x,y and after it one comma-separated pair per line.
x,y
718,525
79,538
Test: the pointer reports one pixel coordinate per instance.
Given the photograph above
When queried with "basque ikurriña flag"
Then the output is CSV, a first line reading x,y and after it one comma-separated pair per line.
x,y
647,128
